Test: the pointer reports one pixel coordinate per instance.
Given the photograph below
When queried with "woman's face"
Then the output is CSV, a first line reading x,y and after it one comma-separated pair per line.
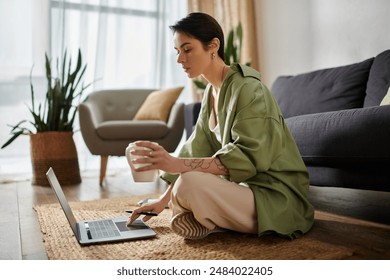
x,y
191,54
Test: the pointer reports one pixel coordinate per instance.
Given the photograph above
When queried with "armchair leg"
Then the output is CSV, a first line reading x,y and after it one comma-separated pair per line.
x,y
103,168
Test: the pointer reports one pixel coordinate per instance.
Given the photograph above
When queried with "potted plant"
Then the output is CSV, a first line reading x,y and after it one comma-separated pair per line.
x,y
51,127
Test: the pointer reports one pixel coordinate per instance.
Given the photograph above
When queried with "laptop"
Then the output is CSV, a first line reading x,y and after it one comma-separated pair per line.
x,y
101,230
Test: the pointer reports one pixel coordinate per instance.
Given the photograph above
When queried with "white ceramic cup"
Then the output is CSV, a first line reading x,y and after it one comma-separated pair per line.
x,y
140,176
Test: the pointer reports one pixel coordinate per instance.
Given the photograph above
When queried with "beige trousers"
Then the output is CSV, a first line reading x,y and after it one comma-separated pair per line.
x,y
215,202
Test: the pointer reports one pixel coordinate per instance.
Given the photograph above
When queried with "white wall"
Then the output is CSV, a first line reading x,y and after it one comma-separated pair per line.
x,y
303,35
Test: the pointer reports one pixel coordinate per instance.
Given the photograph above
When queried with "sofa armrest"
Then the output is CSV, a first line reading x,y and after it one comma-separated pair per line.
x,y
176,116
88,120
191,116
176,126
348,136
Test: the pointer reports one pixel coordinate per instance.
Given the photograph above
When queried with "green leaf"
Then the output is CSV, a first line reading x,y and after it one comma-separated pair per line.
x,y
48,68
63,67
234,45
229,49
15,135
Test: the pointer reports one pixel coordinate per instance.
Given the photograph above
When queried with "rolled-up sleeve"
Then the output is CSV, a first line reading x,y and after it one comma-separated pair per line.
x,y
196,146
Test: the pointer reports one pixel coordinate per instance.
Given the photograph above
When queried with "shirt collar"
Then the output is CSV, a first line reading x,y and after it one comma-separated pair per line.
x,y
246,71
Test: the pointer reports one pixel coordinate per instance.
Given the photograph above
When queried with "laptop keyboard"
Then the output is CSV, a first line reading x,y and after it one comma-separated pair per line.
x,y
104,228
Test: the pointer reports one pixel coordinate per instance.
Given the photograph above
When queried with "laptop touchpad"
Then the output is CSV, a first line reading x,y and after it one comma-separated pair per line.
x,y
135,226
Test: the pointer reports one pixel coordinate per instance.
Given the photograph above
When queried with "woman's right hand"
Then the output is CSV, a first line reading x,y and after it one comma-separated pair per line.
x,y
157,207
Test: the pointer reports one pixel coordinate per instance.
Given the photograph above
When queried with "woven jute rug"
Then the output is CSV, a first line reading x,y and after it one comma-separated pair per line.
x,y
61,244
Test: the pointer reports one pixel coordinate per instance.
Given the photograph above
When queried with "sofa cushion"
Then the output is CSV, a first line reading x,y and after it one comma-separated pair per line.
x,y
323,90
354,136
378,80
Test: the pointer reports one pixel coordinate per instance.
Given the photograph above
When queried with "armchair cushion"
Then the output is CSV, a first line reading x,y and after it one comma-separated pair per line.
x,y
158,105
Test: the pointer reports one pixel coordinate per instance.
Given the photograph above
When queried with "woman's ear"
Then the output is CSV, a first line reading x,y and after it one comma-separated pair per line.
x,y
214,45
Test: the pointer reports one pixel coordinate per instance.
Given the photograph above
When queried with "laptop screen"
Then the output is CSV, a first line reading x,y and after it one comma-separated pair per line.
x,y
61,198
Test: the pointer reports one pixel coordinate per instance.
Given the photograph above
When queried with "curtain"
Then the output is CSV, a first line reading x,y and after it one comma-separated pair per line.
x,y
126,43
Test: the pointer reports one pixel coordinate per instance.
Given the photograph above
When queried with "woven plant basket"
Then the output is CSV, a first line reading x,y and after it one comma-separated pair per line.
x,y
54,149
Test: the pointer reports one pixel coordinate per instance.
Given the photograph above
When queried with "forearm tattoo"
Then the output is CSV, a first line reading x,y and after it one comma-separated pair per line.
x,y
221,167
205,164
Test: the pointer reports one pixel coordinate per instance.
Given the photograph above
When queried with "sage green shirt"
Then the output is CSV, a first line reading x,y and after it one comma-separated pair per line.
x,y
258,149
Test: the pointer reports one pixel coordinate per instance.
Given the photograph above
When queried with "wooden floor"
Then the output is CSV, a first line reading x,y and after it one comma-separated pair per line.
x,y
20,236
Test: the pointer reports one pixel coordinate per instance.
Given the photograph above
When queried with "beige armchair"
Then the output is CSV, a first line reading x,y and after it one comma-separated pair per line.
x,y
107,125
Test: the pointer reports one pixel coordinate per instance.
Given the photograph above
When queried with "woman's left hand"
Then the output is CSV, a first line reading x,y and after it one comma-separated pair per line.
x,y
157,156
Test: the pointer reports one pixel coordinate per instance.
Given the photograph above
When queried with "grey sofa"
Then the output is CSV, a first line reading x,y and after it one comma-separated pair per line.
x,y
340,129
334,115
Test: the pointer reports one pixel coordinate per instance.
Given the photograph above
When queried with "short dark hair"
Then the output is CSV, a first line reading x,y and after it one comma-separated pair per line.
x,y
203,27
